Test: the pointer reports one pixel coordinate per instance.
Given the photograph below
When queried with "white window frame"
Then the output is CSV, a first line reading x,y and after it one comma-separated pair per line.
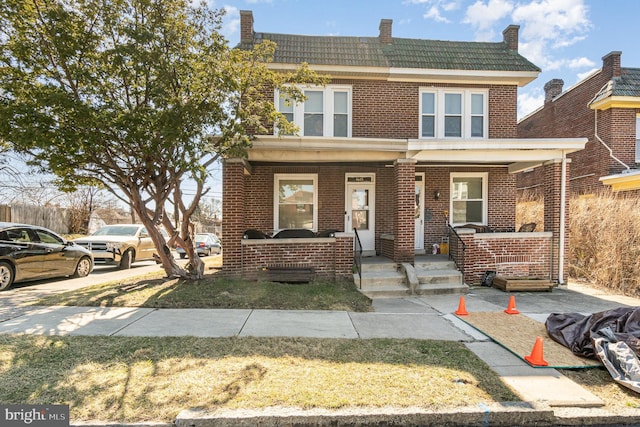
x,y
485,195
439,96
638,138
328,108
276,197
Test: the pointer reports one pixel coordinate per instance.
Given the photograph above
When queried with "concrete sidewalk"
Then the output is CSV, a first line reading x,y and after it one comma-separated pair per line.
x,y
428,317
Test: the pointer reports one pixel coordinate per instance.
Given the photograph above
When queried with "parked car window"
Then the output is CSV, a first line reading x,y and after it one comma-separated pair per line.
x,y
19,235
117,230
45,237
3,236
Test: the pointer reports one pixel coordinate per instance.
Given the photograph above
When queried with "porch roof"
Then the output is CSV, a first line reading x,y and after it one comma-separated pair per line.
x,y
517,154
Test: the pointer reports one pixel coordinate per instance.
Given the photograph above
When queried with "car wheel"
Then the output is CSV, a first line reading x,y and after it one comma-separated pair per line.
x,y
6,276
83,268
183,256
127,258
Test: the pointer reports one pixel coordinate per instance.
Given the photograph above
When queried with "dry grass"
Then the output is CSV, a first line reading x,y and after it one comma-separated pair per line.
x,y
605,241
127,379
530,208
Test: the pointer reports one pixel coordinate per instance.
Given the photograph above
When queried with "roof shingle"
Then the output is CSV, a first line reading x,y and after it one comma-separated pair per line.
x,y
401,53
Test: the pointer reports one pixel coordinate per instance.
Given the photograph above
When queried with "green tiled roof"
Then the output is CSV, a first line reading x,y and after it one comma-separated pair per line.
x,y
628,84
402,53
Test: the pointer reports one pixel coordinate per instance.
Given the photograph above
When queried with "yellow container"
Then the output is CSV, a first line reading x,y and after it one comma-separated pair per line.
x,y
444,248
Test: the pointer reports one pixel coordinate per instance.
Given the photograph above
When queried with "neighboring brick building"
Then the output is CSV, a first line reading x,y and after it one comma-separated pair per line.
x,y
605,108
406,132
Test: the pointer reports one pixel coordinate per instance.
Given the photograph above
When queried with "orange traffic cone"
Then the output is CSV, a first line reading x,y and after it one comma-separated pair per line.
x,y
511,308
462,308
537,358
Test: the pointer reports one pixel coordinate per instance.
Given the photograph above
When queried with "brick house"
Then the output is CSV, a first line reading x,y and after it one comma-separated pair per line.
x,y
408,137
605,108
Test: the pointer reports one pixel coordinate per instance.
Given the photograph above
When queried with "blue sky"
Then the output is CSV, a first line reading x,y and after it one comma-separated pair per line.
x,y
565,38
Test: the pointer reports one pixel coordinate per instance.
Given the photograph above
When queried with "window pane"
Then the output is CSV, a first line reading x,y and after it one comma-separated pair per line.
x,y
295,207
314,103
285,105
467,211
340,102
428,103
477,103
477,126
453,126
467,188
340,122
313,124
452,103
428,126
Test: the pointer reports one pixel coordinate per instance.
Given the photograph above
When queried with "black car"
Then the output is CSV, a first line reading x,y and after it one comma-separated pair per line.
x,y
28,252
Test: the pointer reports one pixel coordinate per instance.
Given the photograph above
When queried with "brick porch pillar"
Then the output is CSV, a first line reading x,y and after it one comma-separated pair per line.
x,y
405,200
552,205
233,215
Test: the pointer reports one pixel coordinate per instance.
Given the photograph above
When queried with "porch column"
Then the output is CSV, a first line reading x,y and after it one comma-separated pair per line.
x,y
233,215
405,201
553,185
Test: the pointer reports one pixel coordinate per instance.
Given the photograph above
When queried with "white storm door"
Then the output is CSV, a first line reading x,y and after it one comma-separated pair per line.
x,y
360,210
419,214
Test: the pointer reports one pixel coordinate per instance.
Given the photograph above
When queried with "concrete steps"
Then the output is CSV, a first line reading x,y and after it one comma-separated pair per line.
x,y
429,276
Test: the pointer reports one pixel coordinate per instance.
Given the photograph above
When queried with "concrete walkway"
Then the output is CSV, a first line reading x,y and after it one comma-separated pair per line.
x,y
428,317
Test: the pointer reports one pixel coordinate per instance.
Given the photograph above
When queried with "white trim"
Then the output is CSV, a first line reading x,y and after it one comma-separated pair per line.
x,y
465,113
368,240
276,196
328,110
485,195
637,138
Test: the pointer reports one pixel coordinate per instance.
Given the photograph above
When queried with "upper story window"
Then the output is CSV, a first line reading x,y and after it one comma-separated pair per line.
x,y
452,113
326,111
469,198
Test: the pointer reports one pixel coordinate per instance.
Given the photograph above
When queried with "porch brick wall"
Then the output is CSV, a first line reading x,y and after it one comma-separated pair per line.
x,y
404,230
233,214
513,255
331,258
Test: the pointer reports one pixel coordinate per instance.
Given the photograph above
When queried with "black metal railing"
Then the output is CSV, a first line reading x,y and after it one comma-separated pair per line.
x,y
457,247
357,257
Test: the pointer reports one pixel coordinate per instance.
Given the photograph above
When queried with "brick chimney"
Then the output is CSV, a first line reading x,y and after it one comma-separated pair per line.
x,y
552,89
611,63
510,36
246,26
385,31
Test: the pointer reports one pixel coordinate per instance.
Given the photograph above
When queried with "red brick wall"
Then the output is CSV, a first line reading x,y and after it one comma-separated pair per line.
x,y
404,231
512,254
568,116
331,258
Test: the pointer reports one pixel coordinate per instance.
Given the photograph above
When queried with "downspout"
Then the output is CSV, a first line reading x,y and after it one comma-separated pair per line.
x,y
563,205
596,131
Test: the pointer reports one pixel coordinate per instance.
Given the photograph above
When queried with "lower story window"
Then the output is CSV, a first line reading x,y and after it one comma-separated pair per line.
x,y
469,198
295,201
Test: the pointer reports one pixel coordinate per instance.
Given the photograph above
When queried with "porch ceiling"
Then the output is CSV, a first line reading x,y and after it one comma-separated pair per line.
x,y
518,154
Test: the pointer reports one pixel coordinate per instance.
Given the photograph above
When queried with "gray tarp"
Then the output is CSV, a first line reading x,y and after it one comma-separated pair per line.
x,y
613,336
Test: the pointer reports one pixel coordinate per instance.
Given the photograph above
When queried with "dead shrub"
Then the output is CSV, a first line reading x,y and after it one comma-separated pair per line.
x,y
604,241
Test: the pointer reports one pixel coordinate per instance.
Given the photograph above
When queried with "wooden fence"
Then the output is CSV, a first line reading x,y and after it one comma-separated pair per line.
x,y
56,219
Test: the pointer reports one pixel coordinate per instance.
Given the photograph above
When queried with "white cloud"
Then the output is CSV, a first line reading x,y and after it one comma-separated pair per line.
x,y
562,22
580,63
529,102
483,15
582,76
434,13
230,22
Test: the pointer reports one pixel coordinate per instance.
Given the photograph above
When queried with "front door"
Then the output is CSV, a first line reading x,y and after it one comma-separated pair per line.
x,y
419,215
360,210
